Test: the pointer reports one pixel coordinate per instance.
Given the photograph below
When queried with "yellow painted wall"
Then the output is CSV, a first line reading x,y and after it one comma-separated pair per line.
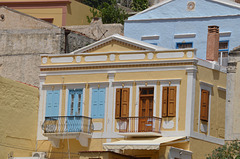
x,y
55,13
18,118
74,147
218,100
201,148
77,13
114,46
77,78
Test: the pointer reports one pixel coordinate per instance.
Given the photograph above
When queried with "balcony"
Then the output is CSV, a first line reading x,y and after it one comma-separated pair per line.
x,y
67,126
139,126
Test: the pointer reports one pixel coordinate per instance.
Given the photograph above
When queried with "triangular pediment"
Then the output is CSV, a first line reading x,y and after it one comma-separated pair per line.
x,y
117,43
172,9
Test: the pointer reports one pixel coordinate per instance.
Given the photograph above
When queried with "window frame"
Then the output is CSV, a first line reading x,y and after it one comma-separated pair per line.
x,y
183,43
224,50
208,87
72,87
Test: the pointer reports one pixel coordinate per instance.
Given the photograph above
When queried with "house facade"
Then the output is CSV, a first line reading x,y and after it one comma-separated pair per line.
x,y
232,104
57,12
124,98
183,24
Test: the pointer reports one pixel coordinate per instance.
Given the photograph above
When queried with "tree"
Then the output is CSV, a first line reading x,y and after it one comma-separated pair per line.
x,y
108,11
95,3
228,151
139,5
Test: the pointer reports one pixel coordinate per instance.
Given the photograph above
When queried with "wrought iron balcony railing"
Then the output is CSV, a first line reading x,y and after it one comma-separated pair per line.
x,y
64,124
139,124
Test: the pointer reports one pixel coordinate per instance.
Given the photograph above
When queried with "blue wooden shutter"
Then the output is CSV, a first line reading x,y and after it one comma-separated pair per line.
x,y
101,102
98,103
94,109
52,103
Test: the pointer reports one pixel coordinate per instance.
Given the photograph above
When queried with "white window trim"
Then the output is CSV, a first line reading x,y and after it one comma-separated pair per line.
x,y
173,83
208,87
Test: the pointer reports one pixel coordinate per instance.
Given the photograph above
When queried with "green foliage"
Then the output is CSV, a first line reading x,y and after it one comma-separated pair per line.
x,y
94,15
228,151
95,3
139,5
108,11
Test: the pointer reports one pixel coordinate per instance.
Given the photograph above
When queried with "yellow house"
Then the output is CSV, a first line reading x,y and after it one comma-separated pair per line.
x,y
124,98
18,118
58,12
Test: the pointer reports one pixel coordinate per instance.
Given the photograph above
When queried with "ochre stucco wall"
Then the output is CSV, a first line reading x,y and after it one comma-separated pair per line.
x,y
18,118
77,13
218,100
201,148
55,13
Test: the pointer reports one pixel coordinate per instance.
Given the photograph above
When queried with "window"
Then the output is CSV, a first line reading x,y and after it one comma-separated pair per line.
x,y
75,102
122,102
169,101
98,103
223,53
49,20
204,105
52,103
184,45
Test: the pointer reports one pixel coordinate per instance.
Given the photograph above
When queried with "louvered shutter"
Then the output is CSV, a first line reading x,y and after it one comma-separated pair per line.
x,y
204,105
125,102
52,103
118,103
101,102
164,101
172,101
94,108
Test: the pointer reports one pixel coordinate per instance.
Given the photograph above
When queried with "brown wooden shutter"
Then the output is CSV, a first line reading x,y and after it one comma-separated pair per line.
x,y
204,105
164,101
118,103
125,102
172,101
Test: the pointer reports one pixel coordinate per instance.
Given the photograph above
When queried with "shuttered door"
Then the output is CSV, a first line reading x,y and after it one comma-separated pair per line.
x,y
204,105
125,102
165,102
118,103
98,103
172,101
52,103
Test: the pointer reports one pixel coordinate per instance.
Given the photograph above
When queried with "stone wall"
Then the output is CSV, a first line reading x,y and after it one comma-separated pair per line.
x,y
24,38
97,30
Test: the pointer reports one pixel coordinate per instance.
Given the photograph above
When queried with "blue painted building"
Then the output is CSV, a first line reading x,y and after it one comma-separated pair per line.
x,y
184,23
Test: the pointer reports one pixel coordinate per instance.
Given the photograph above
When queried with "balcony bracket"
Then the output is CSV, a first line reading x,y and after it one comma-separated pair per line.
x,y
54,142
83,140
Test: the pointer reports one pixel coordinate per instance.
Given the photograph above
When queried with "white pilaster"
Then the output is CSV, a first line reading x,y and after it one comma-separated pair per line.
x,y
109,117
191,82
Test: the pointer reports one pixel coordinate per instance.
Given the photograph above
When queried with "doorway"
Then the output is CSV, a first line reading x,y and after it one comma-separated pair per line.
x,y
146,109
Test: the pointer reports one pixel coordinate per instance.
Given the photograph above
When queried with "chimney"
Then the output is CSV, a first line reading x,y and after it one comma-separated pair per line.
x,y
212,43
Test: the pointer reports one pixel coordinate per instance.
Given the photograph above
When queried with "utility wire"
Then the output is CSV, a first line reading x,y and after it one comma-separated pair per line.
x,y
26,149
